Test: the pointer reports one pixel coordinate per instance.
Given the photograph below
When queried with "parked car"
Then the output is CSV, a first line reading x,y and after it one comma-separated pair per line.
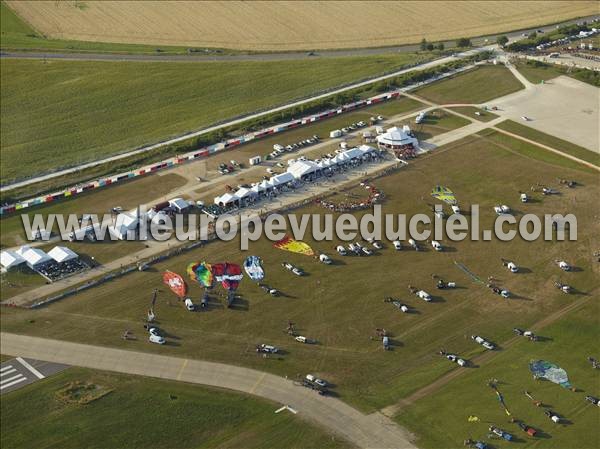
x,y
266,349
157,339
483,342
315,380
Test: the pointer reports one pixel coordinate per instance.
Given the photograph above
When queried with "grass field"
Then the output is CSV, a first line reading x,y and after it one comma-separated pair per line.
x,y
18,35
475,86
551,141
441,419
538,73
147,413
58,113
291,25
341,305
435,122
484,116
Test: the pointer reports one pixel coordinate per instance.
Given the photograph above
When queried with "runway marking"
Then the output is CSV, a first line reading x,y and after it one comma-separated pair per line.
x,y
35,372
260,379
183,365
5,368
20,379
7,372
4,381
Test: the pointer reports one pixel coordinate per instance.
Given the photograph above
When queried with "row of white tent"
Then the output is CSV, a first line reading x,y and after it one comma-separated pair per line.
x,y
296,171
34,256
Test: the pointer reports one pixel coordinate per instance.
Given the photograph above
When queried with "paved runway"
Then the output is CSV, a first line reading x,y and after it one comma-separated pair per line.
x,y
18,372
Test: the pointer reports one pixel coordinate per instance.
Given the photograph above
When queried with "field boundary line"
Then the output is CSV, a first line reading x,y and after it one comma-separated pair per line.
x,y
546,147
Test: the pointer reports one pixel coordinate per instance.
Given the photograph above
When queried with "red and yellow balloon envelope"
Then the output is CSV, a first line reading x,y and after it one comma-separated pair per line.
x,y
289,244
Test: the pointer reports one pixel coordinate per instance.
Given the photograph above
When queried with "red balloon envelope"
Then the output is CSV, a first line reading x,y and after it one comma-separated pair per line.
x,y
228,274
175,283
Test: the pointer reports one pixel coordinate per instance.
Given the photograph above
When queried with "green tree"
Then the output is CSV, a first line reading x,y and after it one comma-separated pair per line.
x,y
440,46
463,42
430,46
502,40
423,44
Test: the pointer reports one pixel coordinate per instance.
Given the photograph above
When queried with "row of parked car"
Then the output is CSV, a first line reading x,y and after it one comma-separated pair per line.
x,y
278,149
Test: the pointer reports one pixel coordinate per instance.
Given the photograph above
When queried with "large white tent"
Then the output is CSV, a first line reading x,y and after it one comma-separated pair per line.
x,y
10,259
225,199
35,257
302,168
127,221
396,138
22,250
62,254
244,193
282,178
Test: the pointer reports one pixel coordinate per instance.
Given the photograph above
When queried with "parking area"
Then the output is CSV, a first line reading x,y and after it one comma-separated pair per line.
x,y
18,372
562,107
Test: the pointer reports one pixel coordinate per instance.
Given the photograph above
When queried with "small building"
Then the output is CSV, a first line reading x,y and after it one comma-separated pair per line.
x,y
255,160
10,259
62,254
179,205
335,133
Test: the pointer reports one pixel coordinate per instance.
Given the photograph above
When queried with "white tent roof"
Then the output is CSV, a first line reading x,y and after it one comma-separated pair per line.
x,y
396,136
265,185
352,153
226,198
366,149
179,203
257,188
244,193
282,178
126,220
22,250
62,254
36,256
10,259
301,168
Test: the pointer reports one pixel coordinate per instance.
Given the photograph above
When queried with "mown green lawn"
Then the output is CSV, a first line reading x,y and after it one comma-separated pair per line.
x,y
341,305
551,141
435,122
538,73
482,84
59,113
534,152
149,413
440,420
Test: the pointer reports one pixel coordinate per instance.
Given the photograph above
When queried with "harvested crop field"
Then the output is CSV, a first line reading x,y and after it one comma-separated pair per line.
x,y
291,25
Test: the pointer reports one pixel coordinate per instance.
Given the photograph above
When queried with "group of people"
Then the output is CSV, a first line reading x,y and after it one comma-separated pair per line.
x,y
375,196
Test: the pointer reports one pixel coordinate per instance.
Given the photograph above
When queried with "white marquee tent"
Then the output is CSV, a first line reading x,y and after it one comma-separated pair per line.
x,y
35,257
395,138
62,254
10,259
